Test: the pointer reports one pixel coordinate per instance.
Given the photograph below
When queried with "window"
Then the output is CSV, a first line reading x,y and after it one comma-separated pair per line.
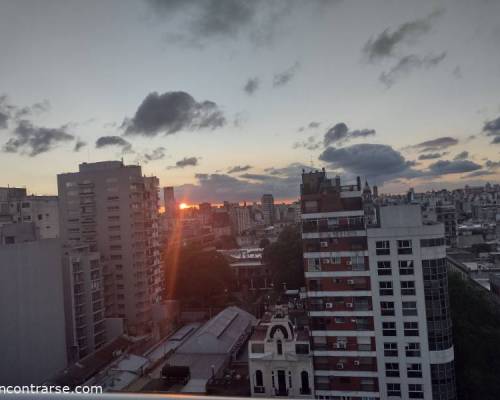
x,y
411,328
414,370
389,328
406,267
392,369
384,268
385,288
390,349
404,247
257,347
407,288
259,381
432,242
387,307
302,348
409,308
304,383
279,347
382,248
394,389
415,391
339,320
412,350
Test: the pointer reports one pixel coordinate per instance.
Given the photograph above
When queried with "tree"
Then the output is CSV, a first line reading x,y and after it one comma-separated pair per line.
x,y
284,259
197,277
476,332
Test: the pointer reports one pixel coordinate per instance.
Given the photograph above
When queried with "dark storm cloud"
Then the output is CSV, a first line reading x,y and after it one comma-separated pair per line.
x,y
106,141
251,86
461,156
440,143
369,160
408,64
386,43
172,112
156,154
185,162
311,143
282,78
446,167
340,134
238,168
79,145
492,128
430,156
33,140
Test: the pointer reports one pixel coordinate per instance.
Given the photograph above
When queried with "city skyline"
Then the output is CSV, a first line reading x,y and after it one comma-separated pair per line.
x,y
229,103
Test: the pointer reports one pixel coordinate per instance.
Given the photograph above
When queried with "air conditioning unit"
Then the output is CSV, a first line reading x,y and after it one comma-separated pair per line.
x,y
349,305
324,244
328,305
340,366
348,262
340,346
356,363
350,281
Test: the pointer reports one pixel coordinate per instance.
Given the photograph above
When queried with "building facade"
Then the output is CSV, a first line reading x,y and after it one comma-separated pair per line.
x,y
377,296
267,203
280,359
113,209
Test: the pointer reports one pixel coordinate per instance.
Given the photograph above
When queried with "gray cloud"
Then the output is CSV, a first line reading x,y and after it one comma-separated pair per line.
x,y
79,145
340,134
282,78
462,156
9,111
185,162
446,167
476,174
492,164
238,168
172,112
387,42
492,128
3,120
156,154
251,86
33,140
431,156
257,177
311,143
372,161
440,143
106,141
408,64
290,170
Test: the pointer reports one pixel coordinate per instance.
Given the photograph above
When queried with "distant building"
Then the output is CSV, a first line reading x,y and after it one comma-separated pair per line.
x,y
240,219
280,359
32,331
268,208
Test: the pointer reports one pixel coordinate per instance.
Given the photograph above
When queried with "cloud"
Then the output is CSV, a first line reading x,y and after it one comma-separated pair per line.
x,y
292,169
311,143
431,156
446,167
238,168
79,145
257,177
172,112
11,112
34,140
461,156
282,78
492,164
310,125
476,174
340,134
156,154
373,161
3,120
185,162
408,64
440,143
492,128
251,86
106,141
387,42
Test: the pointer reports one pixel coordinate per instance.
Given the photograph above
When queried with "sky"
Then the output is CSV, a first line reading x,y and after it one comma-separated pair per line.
x,y
230,99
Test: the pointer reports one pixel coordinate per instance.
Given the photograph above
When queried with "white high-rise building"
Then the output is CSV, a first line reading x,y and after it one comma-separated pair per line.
x,y
113,209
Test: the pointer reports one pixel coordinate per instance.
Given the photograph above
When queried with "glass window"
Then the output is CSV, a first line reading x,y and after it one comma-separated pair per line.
x,y
382,248
390,349
404,247
406,267
384,268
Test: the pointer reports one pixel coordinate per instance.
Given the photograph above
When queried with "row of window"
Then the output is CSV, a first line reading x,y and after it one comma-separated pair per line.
x,y
411,349
410,328
407,288
406,267
415,390
413,370
383,247
409,308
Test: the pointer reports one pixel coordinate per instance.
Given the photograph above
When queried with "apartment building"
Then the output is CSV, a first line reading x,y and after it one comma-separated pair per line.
x,y
84,302
113,209
267,203
377,297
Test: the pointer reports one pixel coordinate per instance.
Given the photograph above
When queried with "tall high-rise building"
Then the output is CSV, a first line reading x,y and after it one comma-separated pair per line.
x,y
377,297
169,201
267,202
113,209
